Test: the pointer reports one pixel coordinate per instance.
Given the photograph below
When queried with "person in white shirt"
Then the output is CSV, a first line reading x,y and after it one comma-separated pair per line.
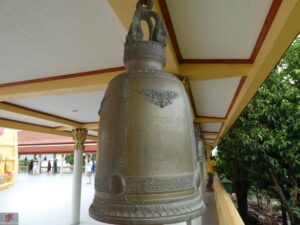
x,y
88,167
35,167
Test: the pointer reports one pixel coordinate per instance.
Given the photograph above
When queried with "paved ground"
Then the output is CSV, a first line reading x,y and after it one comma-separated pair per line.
x,y
210,217
46,199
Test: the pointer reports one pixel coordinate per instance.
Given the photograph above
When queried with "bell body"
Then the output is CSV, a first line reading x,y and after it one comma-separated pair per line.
x,y
146,163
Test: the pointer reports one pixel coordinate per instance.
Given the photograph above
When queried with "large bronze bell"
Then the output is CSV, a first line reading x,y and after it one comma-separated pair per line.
x,y
146,163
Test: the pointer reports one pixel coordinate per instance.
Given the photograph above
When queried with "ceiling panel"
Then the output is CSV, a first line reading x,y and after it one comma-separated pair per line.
x,y
27,119
214,29
212,98
82,107
49,38
91,132
211,127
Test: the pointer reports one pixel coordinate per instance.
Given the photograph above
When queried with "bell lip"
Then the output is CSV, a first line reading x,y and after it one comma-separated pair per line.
x,y
154,221
144,50
108,211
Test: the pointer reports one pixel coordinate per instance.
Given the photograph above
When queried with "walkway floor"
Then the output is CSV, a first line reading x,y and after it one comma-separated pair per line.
x,y
46,199
210,217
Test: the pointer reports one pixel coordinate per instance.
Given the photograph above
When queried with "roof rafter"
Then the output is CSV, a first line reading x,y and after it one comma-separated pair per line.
x,y
72,83
208,133
12,124
89,81
213,71
209,120
8,107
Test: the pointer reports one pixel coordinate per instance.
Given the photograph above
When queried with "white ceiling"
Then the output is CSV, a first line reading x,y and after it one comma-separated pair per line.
x,y
86,105
27,119
217,29
91,132
211,127
49,38
212,98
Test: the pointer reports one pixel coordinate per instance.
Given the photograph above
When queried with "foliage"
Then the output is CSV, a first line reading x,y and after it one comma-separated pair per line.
x,y
264,143
23,162
69,159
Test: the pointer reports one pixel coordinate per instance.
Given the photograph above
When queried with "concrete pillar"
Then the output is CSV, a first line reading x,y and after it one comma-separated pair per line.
x,y
79,136
86,161
62,164
202,177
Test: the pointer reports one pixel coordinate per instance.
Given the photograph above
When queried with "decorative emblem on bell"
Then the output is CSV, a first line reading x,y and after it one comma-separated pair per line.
x,y
146,162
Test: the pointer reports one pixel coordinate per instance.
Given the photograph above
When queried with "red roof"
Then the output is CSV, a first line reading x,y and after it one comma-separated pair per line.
x,y
28,137
39,143
53,149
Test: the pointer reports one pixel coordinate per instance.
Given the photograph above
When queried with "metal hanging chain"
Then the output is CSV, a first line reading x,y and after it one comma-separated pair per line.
x,y
157,31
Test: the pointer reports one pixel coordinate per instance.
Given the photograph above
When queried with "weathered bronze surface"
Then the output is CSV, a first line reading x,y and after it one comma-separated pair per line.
x,y
146,162
201,157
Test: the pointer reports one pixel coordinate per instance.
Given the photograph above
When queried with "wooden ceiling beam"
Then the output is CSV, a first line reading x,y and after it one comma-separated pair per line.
x,y
213,71
209,120
90,126
208,133
65,84
12,124
62,128
11,108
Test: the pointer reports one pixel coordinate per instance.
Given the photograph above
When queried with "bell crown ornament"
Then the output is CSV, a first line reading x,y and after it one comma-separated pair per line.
x,y
138,53
147,169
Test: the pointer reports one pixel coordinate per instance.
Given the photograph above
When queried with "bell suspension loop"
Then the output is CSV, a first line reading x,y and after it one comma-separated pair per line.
x,y
157,31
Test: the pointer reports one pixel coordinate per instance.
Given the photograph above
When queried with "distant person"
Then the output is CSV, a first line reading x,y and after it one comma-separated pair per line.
x,y
30,167
55,166
88,167
35,167
94,166
210,173
49,167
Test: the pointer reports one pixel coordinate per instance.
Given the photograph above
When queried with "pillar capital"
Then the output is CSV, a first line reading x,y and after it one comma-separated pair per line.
x,y
79,136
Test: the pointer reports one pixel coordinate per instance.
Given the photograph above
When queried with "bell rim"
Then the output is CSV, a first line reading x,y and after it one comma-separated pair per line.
x,y
128,219
153,221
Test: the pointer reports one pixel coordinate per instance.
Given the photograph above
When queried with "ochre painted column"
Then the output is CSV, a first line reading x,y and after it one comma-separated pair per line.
x,y
79,136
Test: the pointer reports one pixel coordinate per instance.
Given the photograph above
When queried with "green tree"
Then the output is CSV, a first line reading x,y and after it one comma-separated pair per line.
x,y
264,142
69,159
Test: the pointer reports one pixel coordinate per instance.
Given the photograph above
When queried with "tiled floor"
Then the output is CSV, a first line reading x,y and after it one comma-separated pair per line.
x,y
46,199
